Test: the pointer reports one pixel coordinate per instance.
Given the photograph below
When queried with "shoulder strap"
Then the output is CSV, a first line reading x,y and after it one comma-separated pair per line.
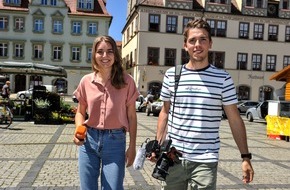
x,y
178,69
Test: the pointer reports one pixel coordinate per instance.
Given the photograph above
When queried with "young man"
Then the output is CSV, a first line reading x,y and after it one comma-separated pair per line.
x,y
194,126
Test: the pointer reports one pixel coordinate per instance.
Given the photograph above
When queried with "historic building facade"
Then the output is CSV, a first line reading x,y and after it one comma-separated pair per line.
x,y
251,40
52,32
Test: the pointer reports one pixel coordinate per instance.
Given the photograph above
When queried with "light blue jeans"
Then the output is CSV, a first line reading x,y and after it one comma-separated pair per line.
x,y
103,153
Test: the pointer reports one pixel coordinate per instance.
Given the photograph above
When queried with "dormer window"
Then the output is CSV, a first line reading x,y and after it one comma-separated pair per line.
x,y
85,4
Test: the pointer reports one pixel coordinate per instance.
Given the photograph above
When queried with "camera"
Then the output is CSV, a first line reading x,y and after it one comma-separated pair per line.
x,y
166,157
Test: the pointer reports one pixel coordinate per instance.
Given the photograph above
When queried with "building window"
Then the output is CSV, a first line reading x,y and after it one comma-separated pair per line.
x,y
153,56
76,28
243,92
19,50
257,62
249,3
273,33
286,61
19,24
76,54
287,34
92,28
218,1
48,2
259,3
218,27
89,54
171,24
244,30
57,26
185,21
38,25
170,57
3,23
154,22
217,59
271,63
85,4
184,57
242,61
56,53
285,4
53,2
43,2
258,31
12,2
38,51
3,49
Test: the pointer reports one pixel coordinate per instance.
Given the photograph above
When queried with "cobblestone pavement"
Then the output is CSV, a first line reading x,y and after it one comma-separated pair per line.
x,y
43,157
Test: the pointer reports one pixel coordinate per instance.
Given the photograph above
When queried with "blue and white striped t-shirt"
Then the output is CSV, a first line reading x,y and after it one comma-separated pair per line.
x,y
198,110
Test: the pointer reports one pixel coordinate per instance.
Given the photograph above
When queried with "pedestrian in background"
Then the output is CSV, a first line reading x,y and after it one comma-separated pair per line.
x,y
6,90
108,96
202,92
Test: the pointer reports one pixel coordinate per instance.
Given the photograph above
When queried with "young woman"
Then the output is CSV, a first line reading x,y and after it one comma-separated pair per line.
x,y
107,96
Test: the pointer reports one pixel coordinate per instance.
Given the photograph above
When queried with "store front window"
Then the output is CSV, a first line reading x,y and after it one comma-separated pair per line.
x,y
61,85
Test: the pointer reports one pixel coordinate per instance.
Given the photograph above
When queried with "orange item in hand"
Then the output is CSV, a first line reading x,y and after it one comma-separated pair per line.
x,y
80,132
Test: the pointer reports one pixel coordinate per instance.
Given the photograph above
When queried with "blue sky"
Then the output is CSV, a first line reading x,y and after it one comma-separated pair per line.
x,y
118,9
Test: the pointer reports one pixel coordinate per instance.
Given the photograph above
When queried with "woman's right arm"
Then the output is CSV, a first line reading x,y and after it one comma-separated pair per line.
x,y
80,117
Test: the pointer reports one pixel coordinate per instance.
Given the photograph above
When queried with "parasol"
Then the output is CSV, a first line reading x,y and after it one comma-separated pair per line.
x,y
8,67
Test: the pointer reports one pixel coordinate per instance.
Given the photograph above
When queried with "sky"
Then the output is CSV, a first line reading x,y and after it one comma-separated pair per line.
x,y
118,9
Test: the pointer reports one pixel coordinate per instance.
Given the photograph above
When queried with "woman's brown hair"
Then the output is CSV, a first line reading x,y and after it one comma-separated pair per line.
x,y
117,73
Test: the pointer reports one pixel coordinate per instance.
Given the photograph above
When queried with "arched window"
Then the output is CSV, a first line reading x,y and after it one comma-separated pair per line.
x,y
243,92
265,93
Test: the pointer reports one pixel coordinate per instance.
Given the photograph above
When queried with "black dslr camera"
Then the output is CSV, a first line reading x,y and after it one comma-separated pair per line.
x,y
165,155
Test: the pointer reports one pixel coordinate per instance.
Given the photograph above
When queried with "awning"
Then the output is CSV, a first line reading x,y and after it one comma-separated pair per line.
x,y
31,69
282,75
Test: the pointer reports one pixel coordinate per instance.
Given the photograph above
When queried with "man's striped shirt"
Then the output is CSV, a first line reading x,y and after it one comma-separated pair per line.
x,y
198,110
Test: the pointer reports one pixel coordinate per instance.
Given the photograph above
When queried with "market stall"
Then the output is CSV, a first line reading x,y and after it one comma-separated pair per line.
x,y
278,118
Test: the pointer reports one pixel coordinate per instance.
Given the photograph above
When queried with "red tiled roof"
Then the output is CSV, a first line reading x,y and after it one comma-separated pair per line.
x,y
98,10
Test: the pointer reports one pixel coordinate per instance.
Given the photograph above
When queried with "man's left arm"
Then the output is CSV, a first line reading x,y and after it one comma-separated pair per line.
x,y
240,136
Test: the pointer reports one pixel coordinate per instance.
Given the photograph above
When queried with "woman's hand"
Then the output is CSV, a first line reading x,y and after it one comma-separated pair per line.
x,y
130,156
77,140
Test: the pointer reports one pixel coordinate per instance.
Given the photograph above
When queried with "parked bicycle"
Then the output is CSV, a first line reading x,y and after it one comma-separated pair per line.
x,y
6,115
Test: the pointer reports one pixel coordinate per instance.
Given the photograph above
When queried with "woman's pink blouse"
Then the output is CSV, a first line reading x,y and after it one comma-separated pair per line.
x,y
106,105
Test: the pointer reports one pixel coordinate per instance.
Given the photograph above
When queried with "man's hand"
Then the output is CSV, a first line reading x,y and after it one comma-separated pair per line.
x,y
248,172
152,158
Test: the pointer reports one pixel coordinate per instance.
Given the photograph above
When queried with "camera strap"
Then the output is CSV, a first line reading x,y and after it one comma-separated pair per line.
x,y
178,69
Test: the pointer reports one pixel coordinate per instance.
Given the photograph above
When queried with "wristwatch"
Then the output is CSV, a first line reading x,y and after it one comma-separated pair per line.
x,y
249,156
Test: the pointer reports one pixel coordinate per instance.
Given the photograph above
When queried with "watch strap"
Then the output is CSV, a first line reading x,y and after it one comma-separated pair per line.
x,y
248,155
